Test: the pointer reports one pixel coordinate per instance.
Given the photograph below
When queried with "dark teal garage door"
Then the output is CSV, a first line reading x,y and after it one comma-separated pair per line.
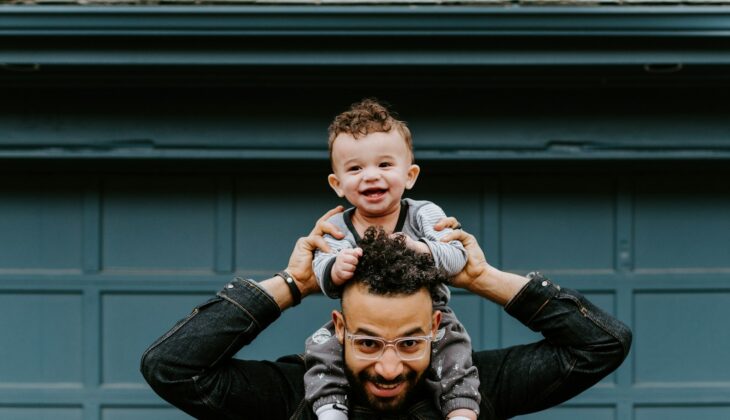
x,y
94,266
148,154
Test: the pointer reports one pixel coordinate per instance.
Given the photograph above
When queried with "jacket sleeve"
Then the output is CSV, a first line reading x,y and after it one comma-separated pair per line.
x,y
582,344
191,366
451,256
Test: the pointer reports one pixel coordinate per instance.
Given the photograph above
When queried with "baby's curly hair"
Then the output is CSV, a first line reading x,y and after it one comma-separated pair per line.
x,y
388,267
365,117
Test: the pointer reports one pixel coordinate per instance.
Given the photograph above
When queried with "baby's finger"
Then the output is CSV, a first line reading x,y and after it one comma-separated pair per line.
x,y
350,260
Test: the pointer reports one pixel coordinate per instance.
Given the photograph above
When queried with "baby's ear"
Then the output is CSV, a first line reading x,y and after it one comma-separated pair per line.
x,y
335,184
413,172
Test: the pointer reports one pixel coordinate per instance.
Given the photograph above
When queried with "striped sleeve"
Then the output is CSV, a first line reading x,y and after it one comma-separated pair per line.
x,y
322,265
451,256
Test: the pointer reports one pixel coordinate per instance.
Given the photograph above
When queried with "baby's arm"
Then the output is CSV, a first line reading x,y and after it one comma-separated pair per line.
x,y
324,263
451,256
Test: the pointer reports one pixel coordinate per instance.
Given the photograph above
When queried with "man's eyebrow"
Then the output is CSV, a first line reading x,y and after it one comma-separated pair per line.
x,y
415,331
411,332
364,331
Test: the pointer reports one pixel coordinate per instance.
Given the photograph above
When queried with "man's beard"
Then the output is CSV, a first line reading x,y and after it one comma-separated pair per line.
x,y
414,386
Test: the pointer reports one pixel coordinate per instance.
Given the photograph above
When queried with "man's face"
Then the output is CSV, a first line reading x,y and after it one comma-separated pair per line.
x,y
385,383
372,171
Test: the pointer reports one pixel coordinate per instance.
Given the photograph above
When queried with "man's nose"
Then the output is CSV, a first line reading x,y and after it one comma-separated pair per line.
x,y
390,366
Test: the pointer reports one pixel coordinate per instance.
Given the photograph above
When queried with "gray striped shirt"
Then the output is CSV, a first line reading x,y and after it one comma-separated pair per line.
x,y
418,224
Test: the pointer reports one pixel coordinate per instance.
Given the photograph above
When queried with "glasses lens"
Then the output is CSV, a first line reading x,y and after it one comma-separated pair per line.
x,y
367,347
372,348
411,347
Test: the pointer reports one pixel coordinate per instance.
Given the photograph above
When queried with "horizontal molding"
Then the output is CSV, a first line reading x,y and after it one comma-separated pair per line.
x,y
41,395
413,35
185,283
371,20
141,396
474,154
172,54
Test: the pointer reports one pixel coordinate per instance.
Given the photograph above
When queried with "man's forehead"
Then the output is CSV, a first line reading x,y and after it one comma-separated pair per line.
x,y
386,315
359,291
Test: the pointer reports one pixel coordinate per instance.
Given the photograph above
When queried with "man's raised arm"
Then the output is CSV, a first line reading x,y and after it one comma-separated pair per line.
x,y
478,276
192,365
582,343
300,262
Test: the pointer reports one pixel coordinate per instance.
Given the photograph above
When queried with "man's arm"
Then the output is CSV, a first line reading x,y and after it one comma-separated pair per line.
x,y
300,261
191,366
582,343
478,276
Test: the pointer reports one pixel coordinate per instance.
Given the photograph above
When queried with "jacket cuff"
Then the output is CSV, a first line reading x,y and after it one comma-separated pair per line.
x,y
532,298
253,300
457,403
338,399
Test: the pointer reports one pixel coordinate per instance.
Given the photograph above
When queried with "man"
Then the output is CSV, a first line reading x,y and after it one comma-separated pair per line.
x,y
384,329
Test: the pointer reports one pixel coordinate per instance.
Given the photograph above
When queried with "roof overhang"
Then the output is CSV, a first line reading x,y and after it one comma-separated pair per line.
x,y
363,35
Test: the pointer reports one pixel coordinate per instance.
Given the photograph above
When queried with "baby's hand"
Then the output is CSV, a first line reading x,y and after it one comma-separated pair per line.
x,y
417,246
345,264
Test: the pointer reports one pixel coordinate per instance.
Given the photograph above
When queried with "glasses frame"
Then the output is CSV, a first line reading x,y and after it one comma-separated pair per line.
x,y
386,343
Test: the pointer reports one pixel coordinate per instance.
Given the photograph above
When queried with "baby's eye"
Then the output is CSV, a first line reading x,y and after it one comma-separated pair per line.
x,y
385,164
353,169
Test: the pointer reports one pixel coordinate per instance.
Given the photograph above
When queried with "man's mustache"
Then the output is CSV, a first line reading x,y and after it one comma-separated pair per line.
x,y
364,376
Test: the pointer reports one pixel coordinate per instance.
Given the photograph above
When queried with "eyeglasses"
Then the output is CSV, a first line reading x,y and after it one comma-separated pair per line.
x,y
366,347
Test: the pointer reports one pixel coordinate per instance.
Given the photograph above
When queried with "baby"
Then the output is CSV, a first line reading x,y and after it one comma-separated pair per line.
x,y
372,162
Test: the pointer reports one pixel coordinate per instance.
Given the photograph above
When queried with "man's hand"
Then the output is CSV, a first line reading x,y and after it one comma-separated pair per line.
x,y
476,263
478,276
300,261
345,265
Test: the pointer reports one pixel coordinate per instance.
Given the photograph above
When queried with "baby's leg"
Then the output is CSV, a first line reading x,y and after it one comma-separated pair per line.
x,y
325,383
453,378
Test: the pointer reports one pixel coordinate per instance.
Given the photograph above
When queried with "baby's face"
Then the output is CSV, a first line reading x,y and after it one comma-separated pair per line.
x,y
373,171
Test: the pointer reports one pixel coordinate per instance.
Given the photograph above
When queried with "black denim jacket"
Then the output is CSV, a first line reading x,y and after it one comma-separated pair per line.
x,y
192,365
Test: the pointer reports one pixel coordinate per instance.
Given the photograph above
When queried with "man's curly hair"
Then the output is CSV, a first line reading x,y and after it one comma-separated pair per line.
x,y
365,117
388,267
